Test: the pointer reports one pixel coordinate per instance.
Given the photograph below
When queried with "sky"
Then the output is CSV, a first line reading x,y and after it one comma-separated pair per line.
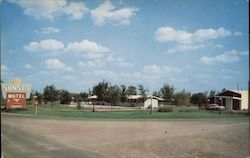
x,y
196,45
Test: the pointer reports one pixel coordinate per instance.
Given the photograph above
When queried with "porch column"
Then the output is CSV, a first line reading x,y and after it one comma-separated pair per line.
x,y
229,104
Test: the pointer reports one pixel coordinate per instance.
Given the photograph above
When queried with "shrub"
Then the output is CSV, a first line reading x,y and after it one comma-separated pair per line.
x,y
185,110
165,109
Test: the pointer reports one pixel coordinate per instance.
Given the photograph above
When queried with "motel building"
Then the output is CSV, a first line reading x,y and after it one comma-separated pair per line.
x,y
231,99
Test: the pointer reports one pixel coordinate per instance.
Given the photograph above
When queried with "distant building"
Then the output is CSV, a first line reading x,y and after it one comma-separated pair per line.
x,y
134,98
231,99
92,99
150,100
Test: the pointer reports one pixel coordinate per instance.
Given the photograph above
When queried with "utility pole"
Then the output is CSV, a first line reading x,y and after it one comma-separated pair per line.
x,y
35,100
249,85
249,96
151,108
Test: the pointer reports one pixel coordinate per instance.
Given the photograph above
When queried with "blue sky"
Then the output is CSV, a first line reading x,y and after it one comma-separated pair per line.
x,y
197,45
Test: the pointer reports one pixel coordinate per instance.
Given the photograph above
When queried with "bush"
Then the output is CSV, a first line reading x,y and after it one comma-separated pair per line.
x,y
185,110
165,109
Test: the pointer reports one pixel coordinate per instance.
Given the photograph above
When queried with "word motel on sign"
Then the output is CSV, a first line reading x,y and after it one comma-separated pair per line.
x,y
16,95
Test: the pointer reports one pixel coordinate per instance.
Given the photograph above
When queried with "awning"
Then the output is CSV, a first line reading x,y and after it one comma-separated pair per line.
x,y
227,97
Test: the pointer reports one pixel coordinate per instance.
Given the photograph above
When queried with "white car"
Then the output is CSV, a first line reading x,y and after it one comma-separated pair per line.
x,y
215,107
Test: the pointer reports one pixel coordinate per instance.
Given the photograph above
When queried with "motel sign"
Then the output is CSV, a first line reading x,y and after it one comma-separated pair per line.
x,y
16,94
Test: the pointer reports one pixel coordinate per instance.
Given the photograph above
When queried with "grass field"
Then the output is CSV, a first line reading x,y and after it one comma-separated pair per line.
x,y
64,111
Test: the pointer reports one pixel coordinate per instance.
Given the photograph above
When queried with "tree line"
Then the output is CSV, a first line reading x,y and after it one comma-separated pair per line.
x,y
113,94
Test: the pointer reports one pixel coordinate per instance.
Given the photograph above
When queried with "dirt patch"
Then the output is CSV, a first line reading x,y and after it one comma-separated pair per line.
x,y
153,139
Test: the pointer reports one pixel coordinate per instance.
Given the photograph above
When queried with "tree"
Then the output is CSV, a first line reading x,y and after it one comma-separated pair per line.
x,y
223,90
198,99
65,97
90,92
182,98
167,92
212,93
77,97
114,94
50,94
156,93
101,90
123,93
131,90
84,96
143,92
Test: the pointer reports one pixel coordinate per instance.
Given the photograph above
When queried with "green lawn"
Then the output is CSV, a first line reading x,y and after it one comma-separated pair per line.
x,y
137,114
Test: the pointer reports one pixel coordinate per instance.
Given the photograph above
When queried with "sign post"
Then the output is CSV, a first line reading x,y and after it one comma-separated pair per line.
x,y
36,104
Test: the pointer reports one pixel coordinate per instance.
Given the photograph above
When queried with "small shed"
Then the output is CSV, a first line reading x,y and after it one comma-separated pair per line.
x,y
152,100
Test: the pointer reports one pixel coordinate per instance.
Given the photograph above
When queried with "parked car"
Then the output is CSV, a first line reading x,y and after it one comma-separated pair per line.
x,y
215,107
3,108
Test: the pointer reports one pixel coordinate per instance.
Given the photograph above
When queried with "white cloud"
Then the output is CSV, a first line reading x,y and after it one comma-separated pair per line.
x,y
152,69
169,34
49,9
125,64
219,46
69,77
4,68
122,62
185,47
148,73
41,9
97,54
76,10
227,57
238,33
106,73
28,66
5,73
108,60
189,41
90,48
49,45
206,34
56,64
87,64
105,12
190,47
165,34
48,30
155,69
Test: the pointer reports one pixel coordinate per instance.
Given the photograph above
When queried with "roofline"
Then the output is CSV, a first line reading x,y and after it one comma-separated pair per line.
x,y
227,97
226,91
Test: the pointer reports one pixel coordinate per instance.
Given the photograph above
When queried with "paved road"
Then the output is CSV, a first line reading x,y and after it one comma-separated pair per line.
x,y
18,143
